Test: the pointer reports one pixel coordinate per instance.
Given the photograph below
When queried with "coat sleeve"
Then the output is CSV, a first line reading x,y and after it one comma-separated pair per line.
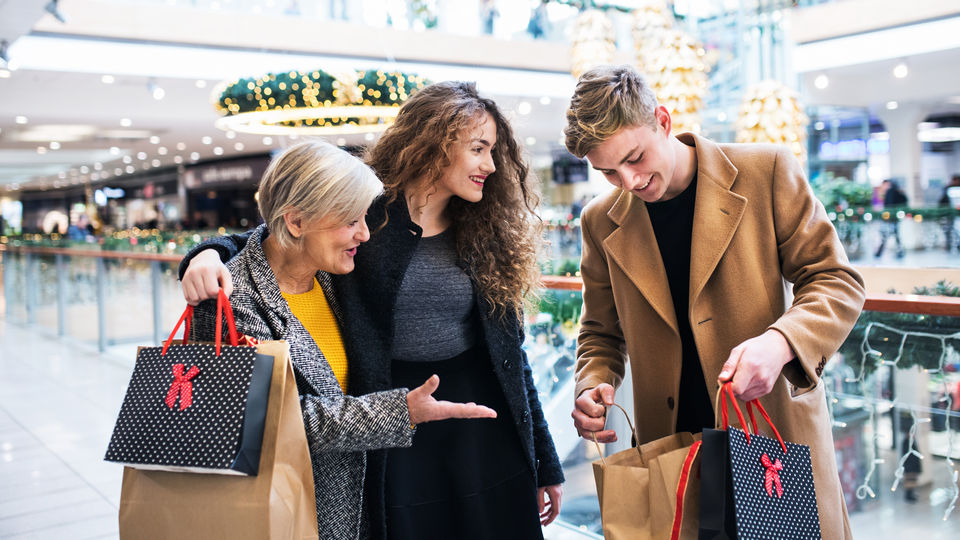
x,y
601,351
549,469
227,246
828,292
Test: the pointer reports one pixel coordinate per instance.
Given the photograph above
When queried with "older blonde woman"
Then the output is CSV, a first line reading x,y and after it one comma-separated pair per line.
x,y
313,199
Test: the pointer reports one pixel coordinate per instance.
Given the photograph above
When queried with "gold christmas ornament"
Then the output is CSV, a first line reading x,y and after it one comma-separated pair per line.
x,y
771,113
594,42
674,63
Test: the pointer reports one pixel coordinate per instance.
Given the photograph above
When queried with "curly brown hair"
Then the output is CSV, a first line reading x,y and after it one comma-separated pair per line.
x,y
497,238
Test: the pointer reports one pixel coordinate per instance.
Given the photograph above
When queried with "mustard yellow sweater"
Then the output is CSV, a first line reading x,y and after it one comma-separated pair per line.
x,y
316,316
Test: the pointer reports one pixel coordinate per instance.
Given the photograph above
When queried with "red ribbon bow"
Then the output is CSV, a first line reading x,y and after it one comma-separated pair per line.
x,y
772,475
181,386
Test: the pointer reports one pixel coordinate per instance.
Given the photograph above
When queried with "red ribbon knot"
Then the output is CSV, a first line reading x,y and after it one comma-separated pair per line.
x,y
181,386
772,477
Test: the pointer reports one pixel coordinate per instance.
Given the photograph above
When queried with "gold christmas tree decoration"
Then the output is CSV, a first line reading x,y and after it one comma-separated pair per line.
x,y
771,113
674,63
594,42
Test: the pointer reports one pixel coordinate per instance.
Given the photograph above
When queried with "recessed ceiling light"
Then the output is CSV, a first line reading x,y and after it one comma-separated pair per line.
x,y
155,162
821,82
194,156
206,140
178,159
41,149
545,100
125,122
524,107
20,120
368,137
201,83
54,145
141,156
238,146
892,105
84,169
130,169
154,139
162,150
127,159
267,141
181,146
341,141
531,141
231,134
98,166
4,74
114,150
107,79
900,70
217,150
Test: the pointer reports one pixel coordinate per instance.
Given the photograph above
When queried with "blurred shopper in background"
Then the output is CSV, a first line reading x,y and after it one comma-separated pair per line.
x,y
893,200
313,198
439,288
950,199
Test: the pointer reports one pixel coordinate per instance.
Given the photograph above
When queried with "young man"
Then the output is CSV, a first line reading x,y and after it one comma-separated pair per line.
x,y
683,272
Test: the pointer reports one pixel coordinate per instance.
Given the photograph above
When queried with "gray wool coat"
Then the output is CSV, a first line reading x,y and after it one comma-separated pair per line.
x,y
339,428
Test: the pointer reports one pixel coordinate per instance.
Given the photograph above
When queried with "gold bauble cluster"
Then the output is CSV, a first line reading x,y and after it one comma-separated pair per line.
x,y
673,62
594,42
771,113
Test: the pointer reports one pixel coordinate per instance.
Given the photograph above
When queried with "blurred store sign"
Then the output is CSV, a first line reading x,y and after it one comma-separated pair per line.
x,y
225,173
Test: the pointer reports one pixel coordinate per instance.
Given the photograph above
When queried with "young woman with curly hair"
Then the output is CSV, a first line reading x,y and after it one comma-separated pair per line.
x,y
439,289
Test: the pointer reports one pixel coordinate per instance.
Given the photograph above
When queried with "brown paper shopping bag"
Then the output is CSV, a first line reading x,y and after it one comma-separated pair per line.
x,y
650,492
278,503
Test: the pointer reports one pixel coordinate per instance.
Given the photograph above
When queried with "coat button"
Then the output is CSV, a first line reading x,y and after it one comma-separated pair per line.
x,y
523,419
506,363
670,402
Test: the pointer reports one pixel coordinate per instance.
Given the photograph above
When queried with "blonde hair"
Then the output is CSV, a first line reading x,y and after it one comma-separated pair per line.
x,y
606,99
319,180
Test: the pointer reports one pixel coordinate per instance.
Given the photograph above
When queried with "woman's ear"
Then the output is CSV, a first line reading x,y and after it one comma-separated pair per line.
x,y
294,222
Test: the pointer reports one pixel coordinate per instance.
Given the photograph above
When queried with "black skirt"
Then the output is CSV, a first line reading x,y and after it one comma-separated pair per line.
x,y
464,479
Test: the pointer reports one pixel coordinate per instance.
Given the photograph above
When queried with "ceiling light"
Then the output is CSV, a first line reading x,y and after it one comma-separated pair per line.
x,y
194,156
531,141
155,163
238,146
524,107
154,139
231,134
141,156
181,146
98,166
545,100
4,74
118,171
158,93
821,82
900,70
368,137
162,150
61,175
892,105
341,141
107,79
114,150
84,169
267,141
127,159
125,122
20,120
130,169
201,83
819,126
178,159
54,145
218,151
41,149
206,140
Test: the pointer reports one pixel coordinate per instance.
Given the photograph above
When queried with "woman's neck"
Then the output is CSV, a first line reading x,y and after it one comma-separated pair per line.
x,y
293,277
428,209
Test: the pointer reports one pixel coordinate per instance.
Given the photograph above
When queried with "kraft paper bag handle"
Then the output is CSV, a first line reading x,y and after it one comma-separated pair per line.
x,y
223,308
633,431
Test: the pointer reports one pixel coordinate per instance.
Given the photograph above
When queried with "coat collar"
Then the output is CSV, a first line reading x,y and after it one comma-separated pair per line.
x,y
717,214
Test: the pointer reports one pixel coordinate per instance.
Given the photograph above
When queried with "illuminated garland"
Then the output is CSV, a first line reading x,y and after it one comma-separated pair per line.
x,y
314,101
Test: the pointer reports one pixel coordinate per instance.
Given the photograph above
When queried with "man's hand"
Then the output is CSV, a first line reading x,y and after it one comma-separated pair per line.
x,y
204,277
588,416
755,364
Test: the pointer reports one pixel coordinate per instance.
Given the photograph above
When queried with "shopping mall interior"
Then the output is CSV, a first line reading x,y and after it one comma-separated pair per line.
x,y
131,130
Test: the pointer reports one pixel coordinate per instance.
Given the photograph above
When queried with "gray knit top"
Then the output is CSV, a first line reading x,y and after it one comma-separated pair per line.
x,y
434,317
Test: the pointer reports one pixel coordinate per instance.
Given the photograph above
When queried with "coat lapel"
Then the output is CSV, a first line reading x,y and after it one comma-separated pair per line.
x,y
633,247
717,212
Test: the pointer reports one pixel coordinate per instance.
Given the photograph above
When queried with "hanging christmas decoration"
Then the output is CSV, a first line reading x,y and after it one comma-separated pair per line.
x,y
674,63
594,42
771,113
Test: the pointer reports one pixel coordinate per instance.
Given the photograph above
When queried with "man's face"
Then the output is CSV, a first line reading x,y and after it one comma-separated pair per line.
x,y
640,159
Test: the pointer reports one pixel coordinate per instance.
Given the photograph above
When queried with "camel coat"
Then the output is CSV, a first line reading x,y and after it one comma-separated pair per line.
x,y
756,223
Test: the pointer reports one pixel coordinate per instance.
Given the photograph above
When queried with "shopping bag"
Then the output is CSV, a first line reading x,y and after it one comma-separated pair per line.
x,y
650,491
278,503
753,486
194,407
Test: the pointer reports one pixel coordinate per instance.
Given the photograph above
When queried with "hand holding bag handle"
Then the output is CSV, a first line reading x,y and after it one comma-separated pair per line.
x,y
223,307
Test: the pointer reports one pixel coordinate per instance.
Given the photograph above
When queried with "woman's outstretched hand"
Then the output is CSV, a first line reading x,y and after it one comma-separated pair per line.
x,y
549,509
204,277
424,408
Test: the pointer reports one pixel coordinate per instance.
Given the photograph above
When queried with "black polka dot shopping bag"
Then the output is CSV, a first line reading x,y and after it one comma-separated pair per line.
x,y
754,487
229,412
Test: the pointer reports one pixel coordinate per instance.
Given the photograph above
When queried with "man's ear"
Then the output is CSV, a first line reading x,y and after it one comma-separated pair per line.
x,y
294,222
663,119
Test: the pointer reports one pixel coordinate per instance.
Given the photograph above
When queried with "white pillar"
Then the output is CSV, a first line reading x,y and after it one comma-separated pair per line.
x,y
905,149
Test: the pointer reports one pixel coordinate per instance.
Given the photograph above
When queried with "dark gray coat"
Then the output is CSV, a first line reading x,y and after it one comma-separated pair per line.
x,y
339,428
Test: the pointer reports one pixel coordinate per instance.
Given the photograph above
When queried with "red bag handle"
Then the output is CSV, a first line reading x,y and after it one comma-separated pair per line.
x,y
727,388
223,307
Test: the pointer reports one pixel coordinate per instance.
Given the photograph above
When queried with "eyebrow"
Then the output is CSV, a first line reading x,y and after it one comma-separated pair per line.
x,y
622,161
481,141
